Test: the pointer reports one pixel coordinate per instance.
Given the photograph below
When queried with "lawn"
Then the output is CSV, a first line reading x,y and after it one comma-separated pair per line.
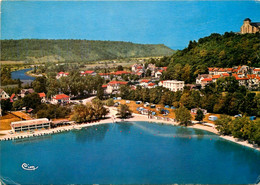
x,y
133,106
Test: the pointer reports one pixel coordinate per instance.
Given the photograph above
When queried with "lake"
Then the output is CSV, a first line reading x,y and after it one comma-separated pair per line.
x,y
130,153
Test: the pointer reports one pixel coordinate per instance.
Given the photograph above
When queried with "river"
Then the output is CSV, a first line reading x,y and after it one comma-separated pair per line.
x,y
21,74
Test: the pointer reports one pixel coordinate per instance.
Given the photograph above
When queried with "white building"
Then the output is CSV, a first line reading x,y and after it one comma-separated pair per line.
x,y
113,86
173,85
19,126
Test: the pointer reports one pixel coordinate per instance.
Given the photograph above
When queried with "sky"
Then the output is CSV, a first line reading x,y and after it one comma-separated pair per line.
x,y
173,23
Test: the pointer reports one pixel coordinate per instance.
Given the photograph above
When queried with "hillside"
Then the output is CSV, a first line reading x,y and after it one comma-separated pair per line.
x,y
218,50
76,50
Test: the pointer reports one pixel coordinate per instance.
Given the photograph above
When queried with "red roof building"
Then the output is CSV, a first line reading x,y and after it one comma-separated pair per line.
x,y
60,98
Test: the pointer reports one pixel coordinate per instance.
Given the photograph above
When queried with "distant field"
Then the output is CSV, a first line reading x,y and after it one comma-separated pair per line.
x,y
12,62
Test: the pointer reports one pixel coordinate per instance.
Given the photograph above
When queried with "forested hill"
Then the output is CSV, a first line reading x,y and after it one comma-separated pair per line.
x,y
217,50
77,50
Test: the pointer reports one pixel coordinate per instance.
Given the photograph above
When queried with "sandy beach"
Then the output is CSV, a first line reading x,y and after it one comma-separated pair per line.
x,y
111,117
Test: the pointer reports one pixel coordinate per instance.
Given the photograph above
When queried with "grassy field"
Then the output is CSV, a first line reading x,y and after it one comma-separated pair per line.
x,y
8,118
6,121
133,106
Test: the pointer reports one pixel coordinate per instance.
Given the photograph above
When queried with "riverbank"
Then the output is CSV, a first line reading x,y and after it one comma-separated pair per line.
x,y
111,118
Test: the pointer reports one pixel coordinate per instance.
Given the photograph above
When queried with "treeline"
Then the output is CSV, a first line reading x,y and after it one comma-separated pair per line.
x,y
241,128
6,78
223,97
89,112
76,50
227,50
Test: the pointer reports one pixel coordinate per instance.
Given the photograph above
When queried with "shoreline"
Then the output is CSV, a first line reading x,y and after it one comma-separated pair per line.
x,y
110,119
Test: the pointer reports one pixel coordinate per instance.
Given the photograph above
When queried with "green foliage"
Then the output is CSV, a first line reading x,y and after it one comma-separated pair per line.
x,y
100,92
32,50
183,115
52,111
18,104
89,112
241,128
6,105
199,116
31,101
110,102
224,125
6,77
123,111
216,50
39,84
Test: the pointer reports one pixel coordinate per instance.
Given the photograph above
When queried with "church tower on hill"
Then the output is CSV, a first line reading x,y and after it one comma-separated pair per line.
x,y
250,27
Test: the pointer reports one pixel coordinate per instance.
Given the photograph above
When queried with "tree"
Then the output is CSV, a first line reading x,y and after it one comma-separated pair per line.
x,y
123,111
100,92
110,102
99,109
18,104
183,115
32,100
120,68
199,116
39,84
148,72
6,105
224,125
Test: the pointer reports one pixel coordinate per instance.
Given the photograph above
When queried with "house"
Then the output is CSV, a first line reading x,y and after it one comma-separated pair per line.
x,y
61,74
119,73
93,73
114,86
43,97
205,82
201,77
256,71
160,83
25,92
136,67
250,27
144,82
3,95
106,76
194,111
158,74
173,85
60,98
151,85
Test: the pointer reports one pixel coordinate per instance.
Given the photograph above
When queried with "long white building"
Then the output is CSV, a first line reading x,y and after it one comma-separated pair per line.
x,y
173,85
19,126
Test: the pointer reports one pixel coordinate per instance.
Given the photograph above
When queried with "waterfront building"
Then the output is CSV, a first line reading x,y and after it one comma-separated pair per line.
x,y
173,85
19,126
